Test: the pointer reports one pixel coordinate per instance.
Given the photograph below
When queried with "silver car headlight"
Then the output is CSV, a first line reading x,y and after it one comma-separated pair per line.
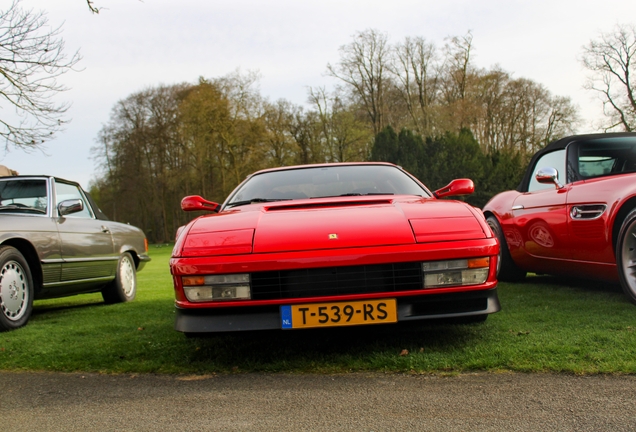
x,y
217,287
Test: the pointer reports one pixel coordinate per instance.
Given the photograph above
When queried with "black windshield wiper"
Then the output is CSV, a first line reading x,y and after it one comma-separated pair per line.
x,y
252,201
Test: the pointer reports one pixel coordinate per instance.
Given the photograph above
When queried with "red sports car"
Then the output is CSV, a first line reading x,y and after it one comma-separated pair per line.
x,y
574,212
333,245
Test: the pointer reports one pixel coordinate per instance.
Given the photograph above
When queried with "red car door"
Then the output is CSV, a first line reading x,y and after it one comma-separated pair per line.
x,y
588,224
541,220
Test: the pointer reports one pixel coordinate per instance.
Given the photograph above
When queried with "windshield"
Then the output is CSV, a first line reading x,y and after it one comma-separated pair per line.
x,y
23,196
326,181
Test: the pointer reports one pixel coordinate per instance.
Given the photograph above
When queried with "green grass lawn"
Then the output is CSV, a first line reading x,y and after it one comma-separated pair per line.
x,y
546,325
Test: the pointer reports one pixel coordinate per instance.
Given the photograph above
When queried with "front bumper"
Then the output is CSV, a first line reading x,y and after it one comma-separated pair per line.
x,y
143,260
435,306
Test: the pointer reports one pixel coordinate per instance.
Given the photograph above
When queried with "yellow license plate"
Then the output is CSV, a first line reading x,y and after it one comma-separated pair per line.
x,y
339,314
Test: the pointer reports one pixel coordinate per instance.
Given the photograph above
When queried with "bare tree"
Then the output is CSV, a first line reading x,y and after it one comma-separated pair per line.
x,y
417,70
32,58
92,7
304,129
280,143
459,81
518,114
241,139
610,59
458,51
344,137
362,68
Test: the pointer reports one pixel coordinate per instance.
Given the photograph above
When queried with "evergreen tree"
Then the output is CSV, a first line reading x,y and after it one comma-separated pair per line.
x,y
410,151
386,146
505,170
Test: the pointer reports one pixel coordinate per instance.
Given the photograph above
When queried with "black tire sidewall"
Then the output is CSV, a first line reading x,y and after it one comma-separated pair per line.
x,y
508,270
629,220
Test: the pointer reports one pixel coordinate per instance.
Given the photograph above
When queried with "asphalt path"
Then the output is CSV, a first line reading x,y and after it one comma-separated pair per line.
x,y
349,402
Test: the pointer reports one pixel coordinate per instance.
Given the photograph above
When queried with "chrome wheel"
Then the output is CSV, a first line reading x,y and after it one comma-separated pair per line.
x,y
124,287
14,290
127,276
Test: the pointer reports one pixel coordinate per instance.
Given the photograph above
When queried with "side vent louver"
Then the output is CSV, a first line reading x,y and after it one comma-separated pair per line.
x,y
587,212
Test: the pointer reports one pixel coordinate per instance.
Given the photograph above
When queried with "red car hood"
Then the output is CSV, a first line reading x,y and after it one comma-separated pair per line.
x,y
332,223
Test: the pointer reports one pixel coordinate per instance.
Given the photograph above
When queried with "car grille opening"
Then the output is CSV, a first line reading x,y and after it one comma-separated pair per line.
x,y
334,281
444,305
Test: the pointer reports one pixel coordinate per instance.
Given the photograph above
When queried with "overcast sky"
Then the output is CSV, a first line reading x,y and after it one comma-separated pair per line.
x,y
133,45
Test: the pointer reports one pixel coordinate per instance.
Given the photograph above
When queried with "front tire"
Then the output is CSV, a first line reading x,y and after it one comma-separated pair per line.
x,y
124,287
626,256
16,289
507,270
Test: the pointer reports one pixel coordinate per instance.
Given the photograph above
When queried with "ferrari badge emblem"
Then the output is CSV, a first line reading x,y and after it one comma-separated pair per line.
x,y
333,236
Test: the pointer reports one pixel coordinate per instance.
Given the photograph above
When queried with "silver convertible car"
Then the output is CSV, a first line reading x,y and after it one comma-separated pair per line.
x,y
55,242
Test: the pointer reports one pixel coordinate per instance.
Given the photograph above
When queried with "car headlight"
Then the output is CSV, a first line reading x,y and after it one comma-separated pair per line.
x,y
217,287
471,271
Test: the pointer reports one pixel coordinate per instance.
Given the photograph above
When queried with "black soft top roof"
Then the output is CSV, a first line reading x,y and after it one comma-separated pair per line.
x,y
561,144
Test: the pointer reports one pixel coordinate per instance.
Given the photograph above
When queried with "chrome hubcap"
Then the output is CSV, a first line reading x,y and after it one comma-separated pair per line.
x,y
127,276
13,291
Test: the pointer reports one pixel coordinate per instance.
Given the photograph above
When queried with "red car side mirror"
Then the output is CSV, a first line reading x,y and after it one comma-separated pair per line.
x,y
197,203
456,187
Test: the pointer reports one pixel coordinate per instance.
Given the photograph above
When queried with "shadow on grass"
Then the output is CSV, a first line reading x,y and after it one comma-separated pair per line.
x,y
573,285
62,308
86,334
559,282
333,349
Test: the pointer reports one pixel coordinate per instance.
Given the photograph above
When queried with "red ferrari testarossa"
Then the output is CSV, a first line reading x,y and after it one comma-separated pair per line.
x,y
333,245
